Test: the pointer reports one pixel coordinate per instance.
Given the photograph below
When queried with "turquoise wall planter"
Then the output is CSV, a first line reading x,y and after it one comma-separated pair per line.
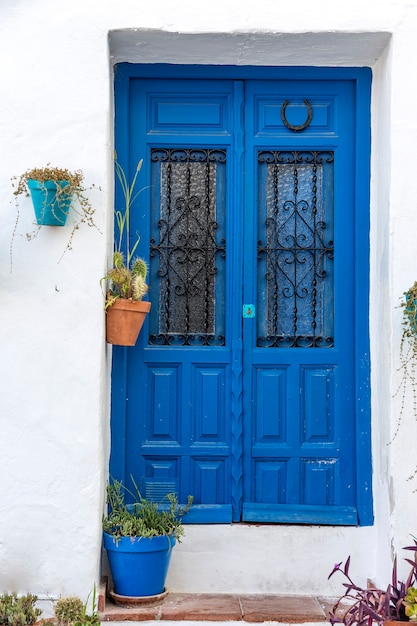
x,y
139,565
411,309
51,209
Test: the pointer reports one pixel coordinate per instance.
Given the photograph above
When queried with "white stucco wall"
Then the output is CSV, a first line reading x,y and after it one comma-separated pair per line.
x,y
56,106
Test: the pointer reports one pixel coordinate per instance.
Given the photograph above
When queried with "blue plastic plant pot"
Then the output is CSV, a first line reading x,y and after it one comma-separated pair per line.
x,y
51,209
139,565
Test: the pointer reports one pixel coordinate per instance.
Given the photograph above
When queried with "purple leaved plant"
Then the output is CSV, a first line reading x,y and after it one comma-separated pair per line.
x,y
362,607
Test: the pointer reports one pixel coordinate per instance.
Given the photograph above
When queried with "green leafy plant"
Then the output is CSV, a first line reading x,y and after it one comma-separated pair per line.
x,y
70,186
127,278
142,518
18,611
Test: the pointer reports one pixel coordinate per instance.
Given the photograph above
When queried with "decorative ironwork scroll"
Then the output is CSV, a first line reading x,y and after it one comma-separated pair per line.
x,y
295,249
188,249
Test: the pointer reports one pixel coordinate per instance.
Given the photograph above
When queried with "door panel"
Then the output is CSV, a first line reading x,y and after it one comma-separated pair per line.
x,y
241,390
304,239
184,442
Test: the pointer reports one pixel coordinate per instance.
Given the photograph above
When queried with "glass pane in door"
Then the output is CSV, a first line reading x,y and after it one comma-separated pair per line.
x,y
295,249
188,246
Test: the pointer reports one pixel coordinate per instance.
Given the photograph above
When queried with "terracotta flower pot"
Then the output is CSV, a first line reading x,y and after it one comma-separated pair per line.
x,y
124,319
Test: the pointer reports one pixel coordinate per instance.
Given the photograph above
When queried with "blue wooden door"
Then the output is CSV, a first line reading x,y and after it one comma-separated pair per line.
x,y
244,388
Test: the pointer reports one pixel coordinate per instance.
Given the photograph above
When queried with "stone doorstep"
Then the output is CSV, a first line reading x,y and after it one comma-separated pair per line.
x,y
254,608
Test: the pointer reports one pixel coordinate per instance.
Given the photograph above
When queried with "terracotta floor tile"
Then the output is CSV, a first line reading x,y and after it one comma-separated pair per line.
x,y
222,607
290,609
201,606
113,613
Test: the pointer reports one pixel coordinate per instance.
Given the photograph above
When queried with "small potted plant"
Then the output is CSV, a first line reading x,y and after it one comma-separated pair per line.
x,y
139,538
126,280
54,191
360,606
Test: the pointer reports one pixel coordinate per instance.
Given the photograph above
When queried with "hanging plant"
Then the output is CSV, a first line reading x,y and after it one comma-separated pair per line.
x,y
408,350
54,191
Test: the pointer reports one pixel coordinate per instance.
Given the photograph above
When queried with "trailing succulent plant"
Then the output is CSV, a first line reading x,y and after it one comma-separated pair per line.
x,y
360,606
55,174
408,352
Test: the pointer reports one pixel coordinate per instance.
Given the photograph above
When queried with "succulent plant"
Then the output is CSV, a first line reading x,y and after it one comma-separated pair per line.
x,y
18,611
126,282
68,610
410,603
72,611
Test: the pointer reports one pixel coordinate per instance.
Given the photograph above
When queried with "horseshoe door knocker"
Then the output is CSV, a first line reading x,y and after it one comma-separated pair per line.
x,y
300,126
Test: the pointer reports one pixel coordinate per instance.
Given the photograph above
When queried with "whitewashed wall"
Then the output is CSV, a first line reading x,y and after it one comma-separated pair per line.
x,y
56,106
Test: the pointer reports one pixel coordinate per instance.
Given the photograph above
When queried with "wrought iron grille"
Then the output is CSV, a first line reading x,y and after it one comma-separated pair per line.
x,y
188,246
295,249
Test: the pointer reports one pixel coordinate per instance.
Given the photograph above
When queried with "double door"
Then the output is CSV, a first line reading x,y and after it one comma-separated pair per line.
x,y
242,389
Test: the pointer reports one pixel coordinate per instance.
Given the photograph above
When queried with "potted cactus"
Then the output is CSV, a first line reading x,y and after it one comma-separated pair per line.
x,y
126,311
126,280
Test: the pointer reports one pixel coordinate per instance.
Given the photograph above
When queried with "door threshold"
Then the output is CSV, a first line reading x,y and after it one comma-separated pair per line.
x,y
217,607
